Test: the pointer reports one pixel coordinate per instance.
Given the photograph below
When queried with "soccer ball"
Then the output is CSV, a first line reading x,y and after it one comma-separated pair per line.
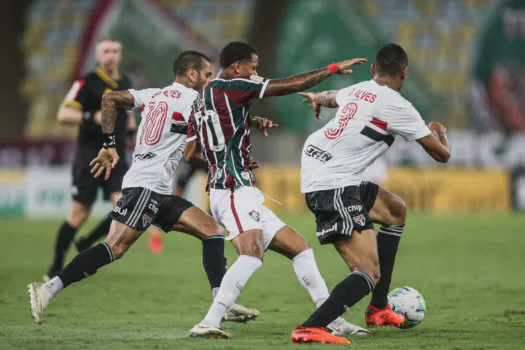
x,y
408,302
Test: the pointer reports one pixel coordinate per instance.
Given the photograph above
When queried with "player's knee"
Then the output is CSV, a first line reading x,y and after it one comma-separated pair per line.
x,y
371,268
398,212
119,249
77,216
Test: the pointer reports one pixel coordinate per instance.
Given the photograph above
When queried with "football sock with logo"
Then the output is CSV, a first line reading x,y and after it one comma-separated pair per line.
x,y
348,292
98,232
86,263
308,274
65,236
388,239
213,259
231,286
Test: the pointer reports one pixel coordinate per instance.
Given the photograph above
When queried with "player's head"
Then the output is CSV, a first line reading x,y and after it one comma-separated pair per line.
x,y
239,59
391,61
108,53
192,68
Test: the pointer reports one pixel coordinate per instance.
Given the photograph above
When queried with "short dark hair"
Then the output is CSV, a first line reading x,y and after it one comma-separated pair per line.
x,y
235,51
390,60
187,60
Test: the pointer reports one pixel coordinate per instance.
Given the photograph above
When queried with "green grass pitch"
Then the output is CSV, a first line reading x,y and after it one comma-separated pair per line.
x,y
470,269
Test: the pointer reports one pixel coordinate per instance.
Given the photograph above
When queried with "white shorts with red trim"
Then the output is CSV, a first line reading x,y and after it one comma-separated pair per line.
x,y
241,209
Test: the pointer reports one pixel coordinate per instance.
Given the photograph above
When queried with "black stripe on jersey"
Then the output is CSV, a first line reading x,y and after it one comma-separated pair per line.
x,y
179,128
377,136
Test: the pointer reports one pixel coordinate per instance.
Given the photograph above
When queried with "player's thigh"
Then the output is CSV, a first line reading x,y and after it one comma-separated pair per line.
x,y
121,237
388,209
359,251
197,223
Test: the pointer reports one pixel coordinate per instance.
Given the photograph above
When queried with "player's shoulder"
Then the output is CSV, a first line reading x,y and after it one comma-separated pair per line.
x,y
90,77
241,81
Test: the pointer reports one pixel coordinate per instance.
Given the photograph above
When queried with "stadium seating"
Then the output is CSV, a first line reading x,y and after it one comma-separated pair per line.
x,y
439,37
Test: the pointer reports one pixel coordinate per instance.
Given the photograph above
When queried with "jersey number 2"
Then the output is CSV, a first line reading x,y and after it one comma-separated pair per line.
x,y
347,113
155,120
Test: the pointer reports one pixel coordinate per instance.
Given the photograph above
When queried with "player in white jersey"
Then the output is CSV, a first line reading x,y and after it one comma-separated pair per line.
x,y
147,187
370,115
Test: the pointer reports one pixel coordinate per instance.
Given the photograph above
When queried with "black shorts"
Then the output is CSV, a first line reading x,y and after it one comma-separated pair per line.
x,y
85,186
340,211
139,208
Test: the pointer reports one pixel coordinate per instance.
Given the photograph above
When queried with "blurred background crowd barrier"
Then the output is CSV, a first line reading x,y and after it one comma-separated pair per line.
x,y
466,70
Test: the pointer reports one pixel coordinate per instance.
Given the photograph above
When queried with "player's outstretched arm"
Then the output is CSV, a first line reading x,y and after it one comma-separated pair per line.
x,y
110,102
301,82
317,99
436,144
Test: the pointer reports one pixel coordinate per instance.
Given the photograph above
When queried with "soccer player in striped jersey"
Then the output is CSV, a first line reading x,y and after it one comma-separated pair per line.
x,y
370,115
221,124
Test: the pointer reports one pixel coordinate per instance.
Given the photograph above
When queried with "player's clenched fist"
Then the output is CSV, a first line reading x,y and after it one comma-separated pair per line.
x,y
107,159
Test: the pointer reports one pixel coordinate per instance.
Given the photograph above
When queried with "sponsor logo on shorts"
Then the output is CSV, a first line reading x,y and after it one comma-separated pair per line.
x,y
327,230
317,153
356,207
74,190
147,219
359,219
153,206
255,215
145,156
120,211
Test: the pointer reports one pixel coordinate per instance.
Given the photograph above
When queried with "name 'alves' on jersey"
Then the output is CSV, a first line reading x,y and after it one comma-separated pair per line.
x,y
220,121
161,136
365,125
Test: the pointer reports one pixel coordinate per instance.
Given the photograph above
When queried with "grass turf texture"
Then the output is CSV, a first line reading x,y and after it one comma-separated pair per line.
x,y
469,269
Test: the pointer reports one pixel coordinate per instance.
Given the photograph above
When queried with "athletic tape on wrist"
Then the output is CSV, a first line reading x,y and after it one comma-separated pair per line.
x,y
333,68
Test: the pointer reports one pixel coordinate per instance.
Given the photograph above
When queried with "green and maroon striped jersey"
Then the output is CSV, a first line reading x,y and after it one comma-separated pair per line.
x,y
220,122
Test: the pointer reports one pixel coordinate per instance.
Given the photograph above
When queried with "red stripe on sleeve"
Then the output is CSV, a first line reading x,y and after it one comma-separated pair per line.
x,y
379,123
177,117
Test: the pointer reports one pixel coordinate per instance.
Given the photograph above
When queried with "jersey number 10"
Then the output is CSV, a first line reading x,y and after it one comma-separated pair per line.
x,y
155,120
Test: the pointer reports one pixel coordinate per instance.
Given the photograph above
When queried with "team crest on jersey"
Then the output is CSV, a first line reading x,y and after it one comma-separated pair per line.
x,y
255,215
359,219
245,175
147,219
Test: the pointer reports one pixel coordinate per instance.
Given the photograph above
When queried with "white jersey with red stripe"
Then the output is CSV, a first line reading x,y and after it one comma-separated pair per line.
x,y
161,136
365,125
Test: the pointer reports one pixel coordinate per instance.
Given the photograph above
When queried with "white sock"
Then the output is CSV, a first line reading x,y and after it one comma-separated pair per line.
x,y
54,286
308,274
232,284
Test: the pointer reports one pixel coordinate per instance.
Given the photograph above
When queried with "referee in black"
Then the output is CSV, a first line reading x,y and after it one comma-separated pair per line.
x,y
82,107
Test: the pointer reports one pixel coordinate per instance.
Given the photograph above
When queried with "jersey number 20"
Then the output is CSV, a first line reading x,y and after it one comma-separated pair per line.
x,y
155,120
347,113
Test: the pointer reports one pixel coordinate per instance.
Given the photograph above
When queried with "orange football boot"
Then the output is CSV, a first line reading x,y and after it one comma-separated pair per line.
x,y
375,317
316,335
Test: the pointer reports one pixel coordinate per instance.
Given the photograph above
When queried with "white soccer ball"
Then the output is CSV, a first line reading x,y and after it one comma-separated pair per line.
x,y
408,302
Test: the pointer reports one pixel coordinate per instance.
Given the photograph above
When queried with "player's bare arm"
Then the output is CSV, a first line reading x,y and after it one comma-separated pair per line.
x,y
108,157
111,101
317,99
436,144
262,124
301,82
